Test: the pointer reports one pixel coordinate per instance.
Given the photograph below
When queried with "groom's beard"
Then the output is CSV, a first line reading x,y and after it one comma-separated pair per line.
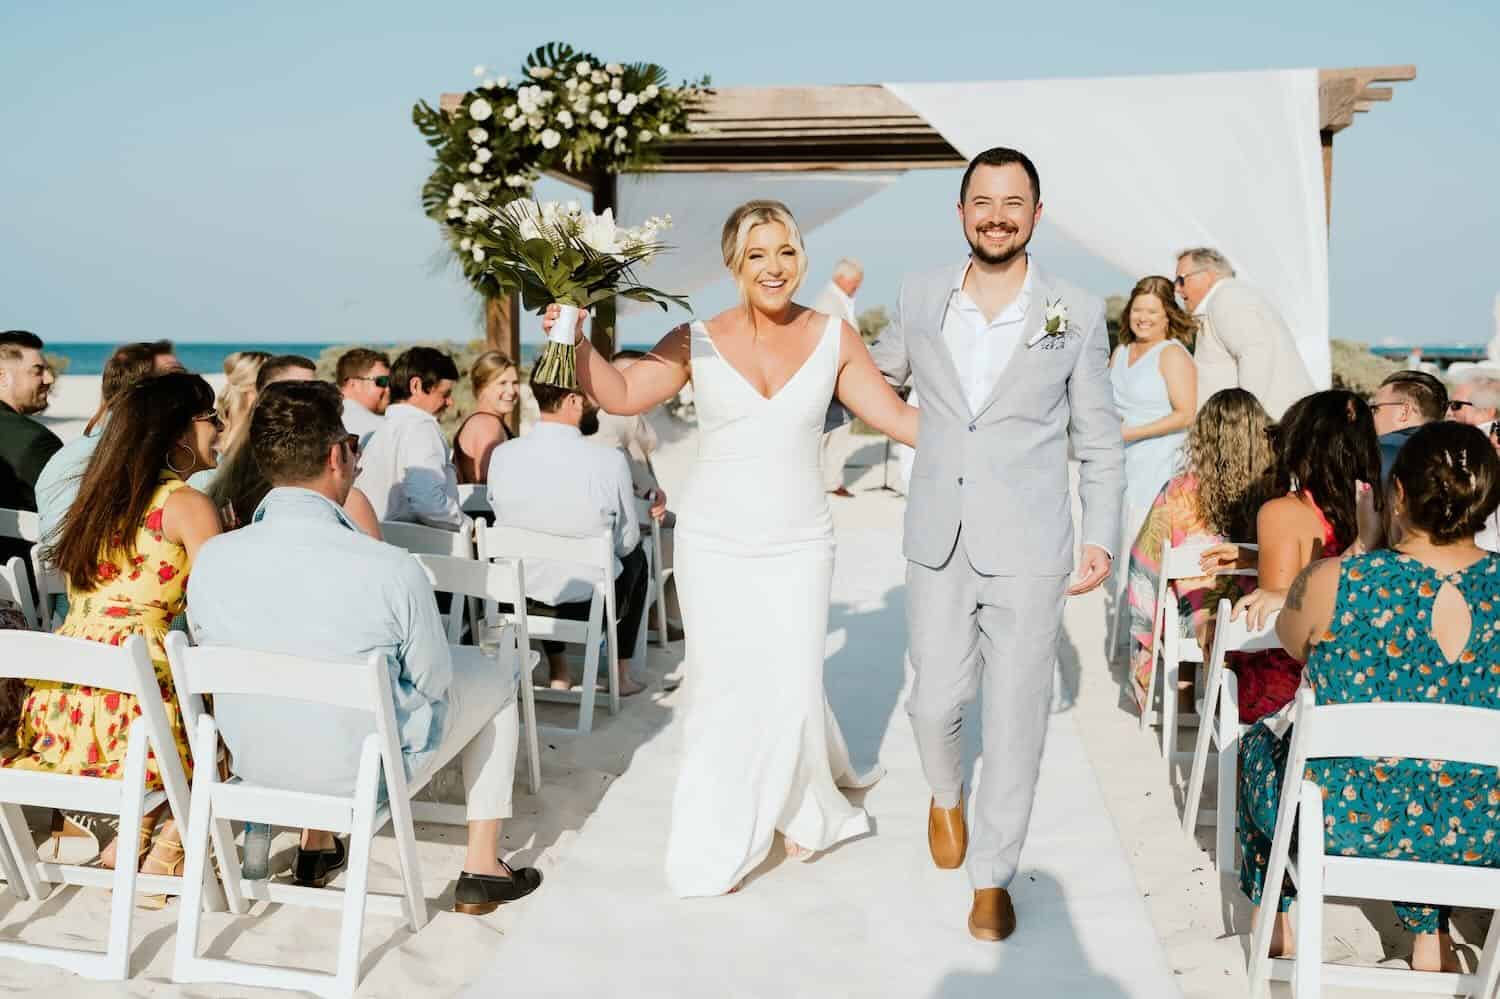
x,y
992,258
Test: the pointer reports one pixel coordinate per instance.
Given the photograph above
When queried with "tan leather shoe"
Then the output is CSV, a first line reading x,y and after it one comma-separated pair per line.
x,y
992,917
947,837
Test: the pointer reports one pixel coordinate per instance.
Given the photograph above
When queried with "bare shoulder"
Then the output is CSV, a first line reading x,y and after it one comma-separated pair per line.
x,y
1175,358
188,502
1285,513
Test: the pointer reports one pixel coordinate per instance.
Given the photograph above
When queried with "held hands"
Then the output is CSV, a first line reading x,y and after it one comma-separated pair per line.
x,y
1218,558
1093,569
549,319
1257,607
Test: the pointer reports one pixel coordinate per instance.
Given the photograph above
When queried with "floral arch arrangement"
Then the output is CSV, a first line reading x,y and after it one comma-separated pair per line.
x,y
568,112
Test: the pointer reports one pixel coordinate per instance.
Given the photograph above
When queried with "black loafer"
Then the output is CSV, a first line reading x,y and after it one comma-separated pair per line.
x,y
478,894
315,868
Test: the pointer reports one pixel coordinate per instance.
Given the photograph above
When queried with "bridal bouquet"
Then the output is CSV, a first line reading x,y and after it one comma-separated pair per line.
x,y
557,253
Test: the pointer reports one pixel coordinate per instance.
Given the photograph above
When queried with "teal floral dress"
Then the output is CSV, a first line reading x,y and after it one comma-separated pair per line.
x,y
1379,647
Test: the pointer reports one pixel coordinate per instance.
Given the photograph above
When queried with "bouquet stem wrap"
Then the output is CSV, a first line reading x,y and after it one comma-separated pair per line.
x,y
558,363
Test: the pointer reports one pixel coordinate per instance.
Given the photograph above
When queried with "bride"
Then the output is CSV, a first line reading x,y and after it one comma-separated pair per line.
x,y
762,752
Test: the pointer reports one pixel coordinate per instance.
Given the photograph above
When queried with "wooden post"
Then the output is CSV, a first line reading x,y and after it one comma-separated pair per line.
x,y
603,332
1327,136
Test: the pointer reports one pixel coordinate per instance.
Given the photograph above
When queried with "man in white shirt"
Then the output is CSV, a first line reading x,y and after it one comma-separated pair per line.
x,y
364,379
837,299
555,481
406,468
1475,401
1242,340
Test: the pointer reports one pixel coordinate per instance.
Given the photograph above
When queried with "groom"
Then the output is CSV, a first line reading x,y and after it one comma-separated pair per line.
x,y
1011,365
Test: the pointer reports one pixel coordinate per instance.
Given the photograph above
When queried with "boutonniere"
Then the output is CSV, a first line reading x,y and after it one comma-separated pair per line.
x,y
1054,326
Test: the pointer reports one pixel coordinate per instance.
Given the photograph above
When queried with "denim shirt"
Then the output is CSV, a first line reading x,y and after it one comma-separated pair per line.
x,y
300,579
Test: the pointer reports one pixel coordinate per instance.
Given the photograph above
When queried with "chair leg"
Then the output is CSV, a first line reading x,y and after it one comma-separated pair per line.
x,y
22,847
1202,744
412,898
590,684
122,902
1488,972
528,718
195,841
357,878
1149,704
1309,959
1169,673
1226,806
11,871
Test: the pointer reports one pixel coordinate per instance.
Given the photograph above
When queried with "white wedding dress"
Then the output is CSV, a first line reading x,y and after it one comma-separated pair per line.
x,y
761,749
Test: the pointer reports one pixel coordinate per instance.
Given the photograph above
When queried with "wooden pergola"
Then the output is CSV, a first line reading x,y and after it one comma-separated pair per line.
x,y
865,127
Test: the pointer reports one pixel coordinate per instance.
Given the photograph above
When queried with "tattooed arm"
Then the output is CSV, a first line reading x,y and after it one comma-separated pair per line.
x,y
1308,611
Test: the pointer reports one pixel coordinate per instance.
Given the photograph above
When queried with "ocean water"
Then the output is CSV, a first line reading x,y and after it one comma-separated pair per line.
x,y
208,358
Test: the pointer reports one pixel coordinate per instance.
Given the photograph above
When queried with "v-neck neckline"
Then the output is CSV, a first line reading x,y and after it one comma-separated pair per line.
x,y
751,385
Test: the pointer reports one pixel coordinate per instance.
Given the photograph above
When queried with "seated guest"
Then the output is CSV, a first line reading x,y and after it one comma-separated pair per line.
x,y
1227,461
25,445
555,481
497,386
405,468
256,369
1475,402
126,545
1405,401
58,483
636,439
1417,623
348,596
364,378
1326,495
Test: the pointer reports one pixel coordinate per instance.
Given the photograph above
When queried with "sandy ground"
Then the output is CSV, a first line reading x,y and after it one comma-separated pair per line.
x,y
1151,889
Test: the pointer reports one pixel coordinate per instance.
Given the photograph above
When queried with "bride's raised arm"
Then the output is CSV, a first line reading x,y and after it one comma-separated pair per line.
x,y
652,380
863,389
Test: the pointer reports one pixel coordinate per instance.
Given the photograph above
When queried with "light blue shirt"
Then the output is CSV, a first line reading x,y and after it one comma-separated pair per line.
x,y
57,486
301,579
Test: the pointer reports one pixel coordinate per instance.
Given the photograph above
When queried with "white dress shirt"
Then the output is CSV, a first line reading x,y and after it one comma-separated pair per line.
x,y
557,481
982,348
360,422
407,472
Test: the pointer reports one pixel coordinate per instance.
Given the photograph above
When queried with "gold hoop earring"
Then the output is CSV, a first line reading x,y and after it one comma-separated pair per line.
x,y
191,462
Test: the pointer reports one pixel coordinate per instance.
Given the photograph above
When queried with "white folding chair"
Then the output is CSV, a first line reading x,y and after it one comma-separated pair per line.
x,y
495,582
50,583
361,686
1219,731
1407,730
16,588
419,539
660,574
594,558
474,498
127,668
1170,648
20,525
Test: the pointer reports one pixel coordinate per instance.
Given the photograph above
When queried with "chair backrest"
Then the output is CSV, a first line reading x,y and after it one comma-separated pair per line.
x,y
474,497
1238,636
1182,562
23,525
50,582
502,541
493,582
16,589
419,539
1404,729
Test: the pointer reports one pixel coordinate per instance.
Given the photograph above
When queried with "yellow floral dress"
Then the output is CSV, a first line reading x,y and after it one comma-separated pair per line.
x,y
81,730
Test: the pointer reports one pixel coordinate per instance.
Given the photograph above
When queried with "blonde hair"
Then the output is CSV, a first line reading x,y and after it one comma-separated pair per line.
x,y
736,236
238,396
487,367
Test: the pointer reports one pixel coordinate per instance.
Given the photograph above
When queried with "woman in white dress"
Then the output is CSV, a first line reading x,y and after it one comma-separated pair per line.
x,y
761,750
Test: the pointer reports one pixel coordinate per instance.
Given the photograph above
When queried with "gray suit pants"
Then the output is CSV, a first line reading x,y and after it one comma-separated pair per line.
x,y
964,627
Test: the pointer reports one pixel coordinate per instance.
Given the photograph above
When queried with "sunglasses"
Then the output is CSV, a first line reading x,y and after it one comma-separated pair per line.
x,y
1182,278
381,381
211,417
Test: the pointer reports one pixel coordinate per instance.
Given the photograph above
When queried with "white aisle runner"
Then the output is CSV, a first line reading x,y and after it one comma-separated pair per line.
x,y
871,918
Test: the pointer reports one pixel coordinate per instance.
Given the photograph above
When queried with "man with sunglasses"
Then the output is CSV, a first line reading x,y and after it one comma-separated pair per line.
x,y
1242,340
1475,402
364,378
1405,402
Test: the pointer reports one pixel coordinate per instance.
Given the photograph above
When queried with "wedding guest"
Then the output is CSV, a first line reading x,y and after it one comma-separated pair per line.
x,y
634,437
364,378
554,480
497,385
1475,402
405,468
1326,494
1420,622
837,299
285,368
237,397
58,484
1226,468
1242,339
1156,390
349,595
25,445
1404,403
126,545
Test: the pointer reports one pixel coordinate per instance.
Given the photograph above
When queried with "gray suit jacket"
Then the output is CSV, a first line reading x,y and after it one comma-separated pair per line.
x,y
1245,343
1002,472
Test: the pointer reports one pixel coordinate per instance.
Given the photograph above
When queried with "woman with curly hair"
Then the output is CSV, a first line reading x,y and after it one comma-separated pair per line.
x,y
1227,463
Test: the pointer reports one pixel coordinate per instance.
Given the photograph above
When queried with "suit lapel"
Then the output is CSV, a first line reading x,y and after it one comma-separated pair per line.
x,y
1036,310
936,309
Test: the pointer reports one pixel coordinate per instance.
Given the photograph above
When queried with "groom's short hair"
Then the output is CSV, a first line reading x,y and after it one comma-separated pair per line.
x,y
1002,156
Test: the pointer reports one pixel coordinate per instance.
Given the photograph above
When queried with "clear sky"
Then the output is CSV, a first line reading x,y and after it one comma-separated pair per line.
x,y
249,172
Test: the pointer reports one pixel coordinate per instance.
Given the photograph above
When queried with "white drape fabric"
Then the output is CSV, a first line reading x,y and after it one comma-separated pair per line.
x,y
700,202
1135,169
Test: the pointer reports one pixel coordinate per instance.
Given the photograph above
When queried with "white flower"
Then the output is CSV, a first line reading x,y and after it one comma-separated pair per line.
x,y
540,73
487,84
600,233
646,136
515,180
483,155
570,83
550,139
479,71
573,208
1056,320
510,111
597,77
475,168
517,124
465,243
583,68
454,213
614,96
459,190
629,103
601,98
529,230
480,110
614,68
502,81
454,201
565,118
581,105
665,128
616,83
478,254
621,131
649,94
474,214
478,135
535,120
584,88
597,119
